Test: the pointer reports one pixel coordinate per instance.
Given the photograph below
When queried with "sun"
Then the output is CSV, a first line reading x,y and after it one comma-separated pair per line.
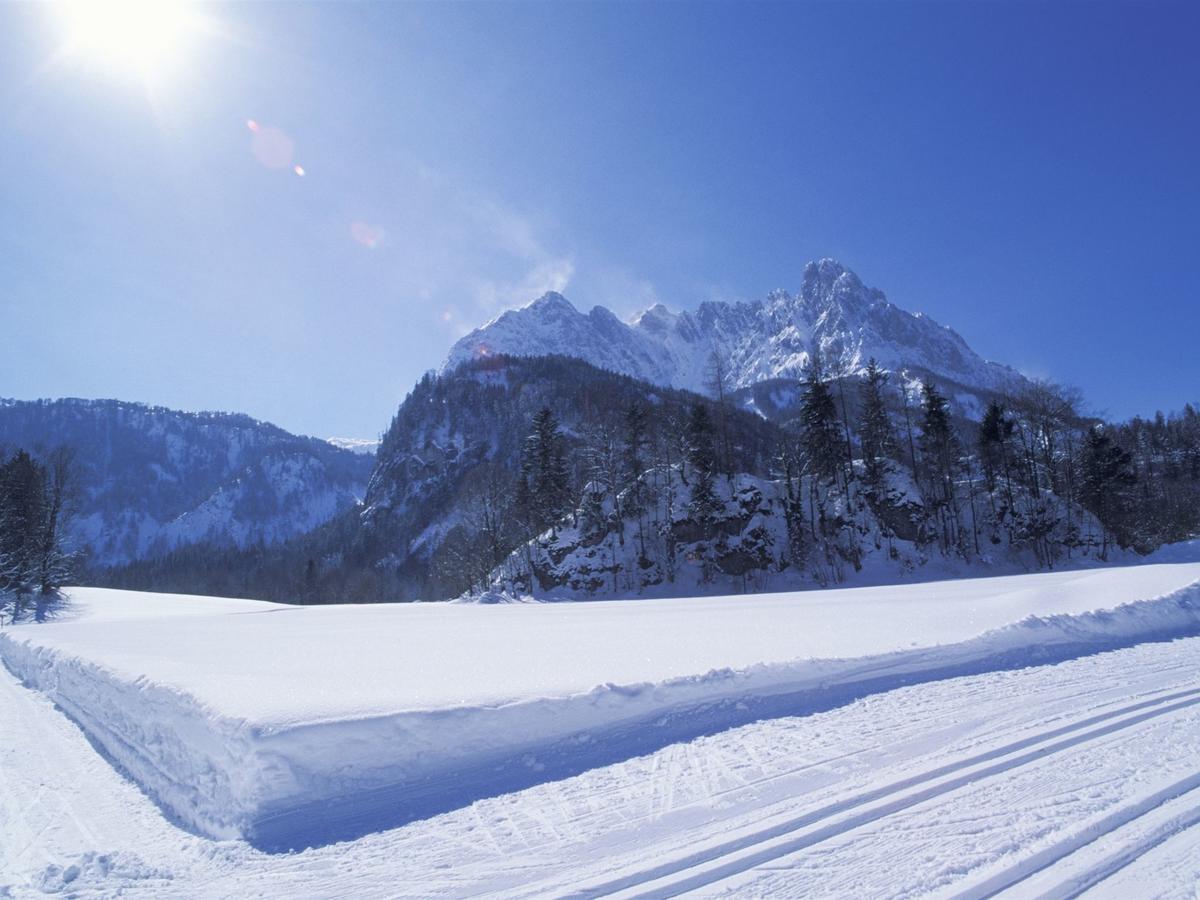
x,y
144,36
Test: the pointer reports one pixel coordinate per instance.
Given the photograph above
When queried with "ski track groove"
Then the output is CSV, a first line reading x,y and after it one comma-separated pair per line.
x,y
1036,747
1040,861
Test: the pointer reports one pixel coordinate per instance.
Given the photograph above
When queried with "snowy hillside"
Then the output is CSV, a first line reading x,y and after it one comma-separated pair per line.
x,y
747,544
153,479
758,341
456,442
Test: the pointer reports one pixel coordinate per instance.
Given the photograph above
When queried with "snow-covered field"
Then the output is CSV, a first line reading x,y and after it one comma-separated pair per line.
x,y
938,737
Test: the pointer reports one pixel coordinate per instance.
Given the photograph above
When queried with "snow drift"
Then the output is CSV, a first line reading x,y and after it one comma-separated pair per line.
x,y
299,726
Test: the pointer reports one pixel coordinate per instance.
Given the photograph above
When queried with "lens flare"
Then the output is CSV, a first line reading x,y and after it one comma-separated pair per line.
x,y
271,147
299,170
370,236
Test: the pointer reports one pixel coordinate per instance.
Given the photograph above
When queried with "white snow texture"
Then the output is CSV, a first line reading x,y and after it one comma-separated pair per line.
x,y
326,723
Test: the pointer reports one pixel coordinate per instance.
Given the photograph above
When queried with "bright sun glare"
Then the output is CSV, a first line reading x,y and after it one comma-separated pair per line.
x,y
143,35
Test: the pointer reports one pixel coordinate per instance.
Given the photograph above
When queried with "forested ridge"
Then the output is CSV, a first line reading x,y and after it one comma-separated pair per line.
x,y
549,476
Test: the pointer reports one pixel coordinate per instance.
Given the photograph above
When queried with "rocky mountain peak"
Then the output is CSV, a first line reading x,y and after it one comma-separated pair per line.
x,y
771,338
553,301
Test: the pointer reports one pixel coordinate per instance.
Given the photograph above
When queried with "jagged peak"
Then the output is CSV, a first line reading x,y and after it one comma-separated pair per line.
x,y
552,300
654,317
825,267
604,315
765,338
827,280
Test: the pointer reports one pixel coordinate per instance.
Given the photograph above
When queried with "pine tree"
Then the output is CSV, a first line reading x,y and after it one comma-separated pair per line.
x,y
21,512
1107,476
634,442
702,457
875,428
634,464
544,488
35,507
994,433
941,460
53,560
820,437
717,382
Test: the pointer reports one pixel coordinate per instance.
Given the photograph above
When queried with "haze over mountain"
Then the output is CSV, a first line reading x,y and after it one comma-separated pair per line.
x,y
757,341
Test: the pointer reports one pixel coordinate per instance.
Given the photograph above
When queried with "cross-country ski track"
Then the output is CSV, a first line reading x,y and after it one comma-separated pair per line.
x,y
1059,780
1068,781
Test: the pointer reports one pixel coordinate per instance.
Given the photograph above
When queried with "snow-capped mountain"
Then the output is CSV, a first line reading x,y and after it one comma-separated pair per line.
x,y
153,479
365,446
765,339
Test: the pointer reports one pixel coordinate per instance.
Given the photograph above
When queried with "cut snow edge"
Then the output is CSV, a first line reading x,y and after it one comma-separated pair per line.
x,y
291,787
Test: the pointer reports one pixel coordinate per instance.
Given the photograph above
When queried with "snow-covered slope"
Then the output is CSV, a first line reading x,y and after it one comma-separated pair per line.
x,y
746,544
365,446
321,720
153,479
761,340
1074,777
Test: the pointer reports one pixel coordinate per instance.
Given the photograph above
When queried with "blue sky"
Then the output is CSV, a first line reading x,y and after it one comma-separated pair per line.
x,y
1026,173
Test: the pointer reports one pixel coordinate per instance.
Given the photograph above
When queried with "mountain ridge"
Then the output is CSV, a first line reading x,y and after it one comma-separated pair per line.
x,y
758,340
153,479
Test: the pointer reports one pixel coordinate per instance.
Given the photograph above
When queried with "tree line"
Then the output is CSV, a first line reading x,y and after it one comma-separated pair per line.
x,y
36,503
1034,473
502,456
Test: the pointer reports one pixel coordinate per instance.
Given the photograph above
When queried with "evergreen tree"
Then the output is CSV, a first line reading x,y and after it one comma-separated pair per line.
x,y
35,505
820,436
717,382
21,502
941,460
994,433
875,427
633,459
524,507
1107,476
634,464
544,487
702,457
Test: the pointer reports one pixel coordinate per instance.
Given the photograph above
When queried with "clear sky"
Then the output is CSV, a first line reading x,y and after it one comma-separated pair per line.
x,y
1028,173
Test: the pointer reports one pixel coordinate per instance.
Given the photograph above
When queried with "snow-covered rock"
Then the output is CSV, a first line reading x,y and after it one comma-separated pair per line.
x,y
748,545
365,446
766,339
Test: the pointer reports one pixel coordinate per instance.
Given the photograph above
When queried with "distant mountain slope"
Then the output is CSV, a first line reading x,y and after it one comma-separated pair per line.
x,y
365,446
153,479
761,340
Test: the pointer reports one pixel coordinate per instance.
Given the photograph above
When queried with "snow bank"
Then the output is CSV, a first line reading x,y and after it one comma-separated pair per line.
x,y
295,726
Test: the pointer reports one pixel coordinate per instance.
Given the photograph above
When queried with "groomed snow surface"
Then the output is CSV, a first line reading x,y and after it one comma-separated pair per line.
x,y
961,737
